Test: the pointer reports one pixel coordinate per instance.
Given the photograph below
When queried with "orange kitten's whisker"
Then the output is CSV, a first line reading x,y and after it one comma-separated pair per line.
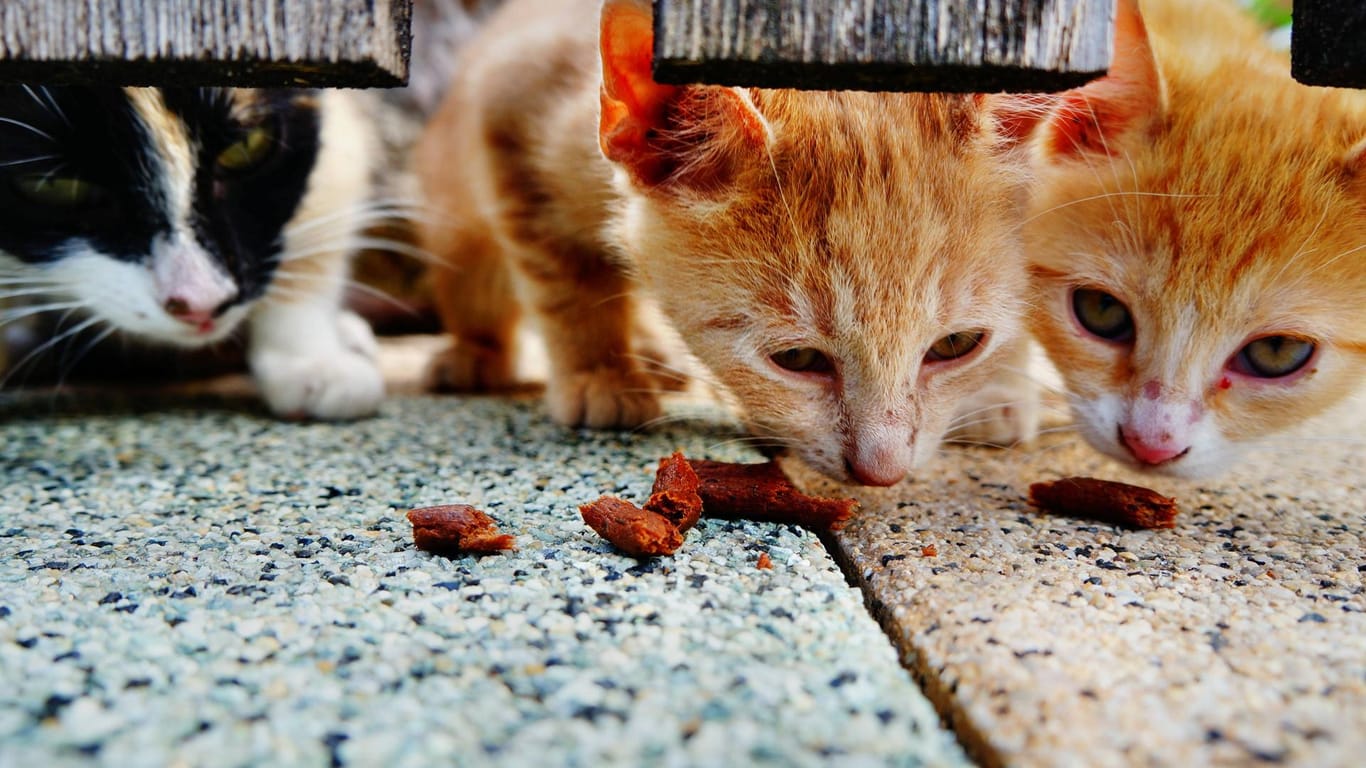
x,y
1333,260
752,441
1102,196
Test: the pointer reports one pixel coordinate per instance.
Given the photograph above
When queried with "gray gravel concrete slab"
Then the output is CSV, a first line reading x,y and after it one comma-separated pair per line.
x,y
193,583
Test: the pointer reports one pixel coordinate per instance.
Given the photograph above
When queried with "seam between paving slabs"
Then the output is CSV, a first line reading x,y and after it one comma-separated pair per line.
x,y
971,738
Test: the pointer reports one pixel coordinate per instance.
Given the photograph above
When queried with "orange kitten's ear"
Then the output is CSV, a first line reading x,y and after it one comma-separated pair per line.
x,y
1355,160
1015,116
693,135
1092,118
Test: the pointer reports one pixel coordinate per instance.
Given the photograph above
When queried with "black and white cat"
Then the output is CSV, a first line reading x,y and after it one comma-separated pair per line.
x,y
179,215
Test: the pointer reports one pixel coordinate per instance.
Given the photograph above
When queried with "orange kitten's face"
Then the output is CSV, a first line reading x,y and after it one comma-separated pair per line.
x,y
1200,271
851,288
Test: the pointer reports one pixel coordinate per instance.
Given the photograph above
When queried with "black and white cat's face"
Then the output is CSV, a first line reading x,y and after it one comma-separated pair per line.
x,y
157,211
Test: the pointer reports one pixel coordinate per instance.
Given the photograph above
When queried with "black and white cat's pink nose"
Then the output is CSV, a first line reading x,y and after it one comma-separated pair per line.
x,y
191,285
1153,449
197,314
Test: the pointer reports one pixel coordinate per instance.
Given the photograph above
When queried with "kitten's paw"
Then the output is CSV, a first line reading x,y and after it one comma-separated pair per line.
x,y
465,367
1002,414
345,385
356,335
603,398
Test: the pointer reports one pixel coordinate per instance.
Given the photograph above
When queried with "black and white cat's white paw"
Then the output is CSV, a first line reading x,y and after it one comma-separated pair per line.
x,y
334,378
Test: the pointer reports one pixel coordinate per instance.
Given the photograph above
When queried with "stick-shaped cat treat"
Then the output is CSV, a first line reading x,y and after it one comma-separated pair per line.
x,y
846,265
1198,242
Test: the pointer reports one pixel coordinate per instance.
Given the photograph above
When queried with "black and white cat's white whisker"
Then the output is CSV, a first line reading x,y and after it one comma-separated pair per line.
x,y
353,244
28,127
19,313
68,363
27,160
47,103
281,288
37,352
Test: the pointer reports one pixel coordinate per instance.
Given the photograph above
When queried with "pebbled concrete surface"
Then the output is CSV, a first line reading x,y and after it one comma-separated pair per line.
x,y
193,583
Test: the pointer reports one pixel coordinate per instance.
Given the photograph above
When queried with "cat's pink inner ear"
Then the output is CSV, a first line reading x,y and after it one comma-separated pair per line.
x,y
633,104
1016,115
1093,118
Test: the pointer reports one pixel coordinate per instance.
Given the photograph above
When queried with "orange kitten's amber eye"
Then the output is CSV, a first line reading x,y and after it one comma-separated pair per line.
x,y
955,345
803,360
1272,357
1102,314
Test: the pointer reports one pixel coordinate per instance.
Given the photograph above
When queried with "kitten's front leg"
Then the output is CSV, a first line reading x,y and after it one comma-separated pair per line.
x,y
1005,412
587,314
312,359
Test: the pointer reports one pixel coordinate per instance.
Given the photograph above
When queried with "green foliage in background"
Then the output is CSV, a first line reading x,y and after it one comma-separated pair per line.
x,y
1271,13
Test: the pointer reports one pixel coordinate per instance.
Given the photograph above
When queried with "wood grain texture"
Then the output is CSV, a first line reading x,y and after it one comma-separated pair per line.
x,y
1328,43
205,42
910,45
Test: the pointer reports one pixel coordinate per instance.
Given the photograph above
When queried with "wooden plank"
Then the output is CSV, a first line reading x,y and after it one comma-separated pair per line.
x,y
1328,43
904,45
205,42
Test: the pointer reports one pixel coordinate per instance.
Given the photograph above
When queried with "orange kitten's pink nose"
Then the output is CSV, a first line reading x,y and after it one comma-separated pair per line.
x,y
1154,451
875,467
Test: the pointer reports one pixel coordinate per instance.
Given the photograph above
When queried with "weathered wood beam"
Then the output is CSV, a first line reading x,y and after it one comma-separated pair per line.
x,y
895,45
1328,43
205,42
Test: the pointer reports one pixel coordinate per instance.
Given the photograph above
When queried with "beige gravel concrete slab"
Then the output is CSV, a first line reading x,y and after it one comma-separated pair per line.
x,y
1239,638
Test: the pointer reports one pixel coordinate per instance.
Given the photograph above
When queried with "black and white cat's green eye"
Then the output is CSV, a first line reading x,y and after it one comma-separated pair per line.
x,y
55,191
249,152
955,345
1102,314
1272,357
803,360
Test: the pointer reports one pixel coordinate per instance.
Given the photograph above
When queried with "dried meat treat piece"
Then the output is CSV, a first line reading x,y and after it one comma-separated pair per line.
x,y
762,492
1106,501
765,562
675,492
455,529
635,531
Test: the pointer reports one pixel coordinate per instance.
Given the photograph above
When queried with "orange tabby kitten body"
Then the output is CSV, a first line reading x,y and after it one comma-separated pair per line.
x,y
1198,241
845,264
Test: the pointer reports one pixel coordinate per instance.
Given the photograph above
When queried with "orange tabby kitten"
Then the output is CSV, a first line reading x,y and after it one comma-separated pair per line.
x,y
845,264
1199,241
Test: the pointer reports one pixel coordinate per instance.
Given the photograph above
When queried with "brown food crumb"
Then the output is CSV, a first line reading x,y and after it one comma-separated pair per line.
x,y
635,531
675,492
765,562
762,492
1106,501
455,529
929,550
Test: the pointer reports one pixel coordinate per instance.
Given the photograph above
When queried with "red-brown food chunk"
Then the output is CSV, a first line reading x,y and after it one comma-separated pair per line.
x,y
763,493
455,529
675,492
1106,501
765,562
635,531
